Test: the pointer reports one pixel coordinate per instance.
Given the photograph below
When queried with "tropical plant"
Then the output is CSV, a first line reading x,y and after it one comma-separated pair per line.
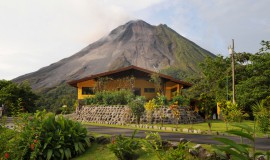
x,y
261,114
137,107
180,153
238,151
233,113
153,144
45,136
125,148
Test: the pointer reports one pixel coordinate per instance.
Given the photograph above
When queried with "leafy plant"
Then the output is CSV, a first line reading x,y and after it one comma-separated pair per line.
x,y
238,151
180,153
149,107
153,144
121,97
45,136
125,148
261,114
137,107
180,100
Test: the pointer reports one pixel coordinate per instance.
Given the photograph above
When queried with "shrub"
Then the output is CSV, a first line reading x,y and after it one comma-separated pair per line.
x,y
180,153
261,114
6,138
125,148
121,97
45,136
137,107
180,100
91,100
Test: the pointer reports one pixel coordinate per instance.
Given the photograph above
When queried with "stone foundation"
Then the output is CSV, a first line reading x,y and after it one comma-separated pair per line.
x,y
122,115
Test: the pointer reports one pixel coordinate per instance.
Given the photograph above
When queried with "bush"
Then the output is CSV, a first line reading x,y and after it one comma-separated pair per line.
x,y
180,153
121,97
45,136
180,100
125,148
6,137
137,107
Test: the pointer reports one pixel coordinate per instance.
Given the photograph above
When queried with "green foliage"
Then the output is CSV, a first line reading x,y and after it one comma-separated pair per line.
x,y
180,100
180,153
252,78
206,105
232,112
53,99
160,100
237,151
6,139
17,98
125,148
137,107
121,97
188,55
261,114
153,144
45,136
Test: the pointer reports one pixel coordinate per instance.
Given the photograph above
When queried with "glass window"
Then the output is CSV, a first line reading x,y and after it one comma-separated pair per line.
x,y
87,90
149,90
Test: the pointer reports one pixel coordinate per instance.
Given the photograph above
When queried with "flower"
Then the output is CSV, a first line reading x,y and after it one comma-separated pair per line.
x,y
35,140
6,155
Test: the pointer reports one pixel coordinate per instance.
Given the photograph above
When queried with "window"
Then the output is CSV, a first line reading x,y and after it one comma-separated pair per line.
x,y
87,90
149,90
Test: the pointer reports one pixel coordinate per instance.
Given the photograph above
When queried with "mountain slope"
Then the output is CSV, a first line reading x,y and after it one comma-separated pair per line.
x,y
134,43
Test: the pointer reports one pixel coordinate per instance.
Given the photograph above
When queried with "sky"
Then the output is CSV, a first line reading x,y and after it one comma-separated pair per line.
x,y
35,34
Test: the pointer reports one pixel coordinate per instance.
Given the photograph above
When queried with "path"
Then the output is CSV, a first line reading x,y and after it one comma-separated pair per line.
x,y
261,143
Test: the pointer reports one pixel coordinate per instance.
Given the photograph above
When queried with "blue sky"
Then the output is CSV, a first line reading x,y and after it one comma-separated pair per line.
x,y
34,34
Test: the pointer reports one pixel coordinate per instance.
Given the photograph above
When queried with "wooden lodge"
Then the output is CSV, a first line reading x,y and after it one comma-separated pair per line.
x,y
132,77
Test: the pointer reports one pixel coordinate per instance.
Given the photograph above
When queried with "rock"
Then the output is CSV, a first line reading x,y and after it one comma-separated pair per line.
x,y
197,147
174,145
193,152
185,130
183,140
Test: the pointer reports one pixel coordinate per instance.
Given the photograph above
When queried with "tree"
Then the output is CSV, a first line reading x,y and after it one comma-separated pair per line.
x,y
157,82
17,97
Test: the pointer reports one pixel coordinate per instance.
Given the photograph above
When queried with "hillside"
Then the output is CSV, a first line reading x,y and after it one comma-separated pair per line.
x,y
134,43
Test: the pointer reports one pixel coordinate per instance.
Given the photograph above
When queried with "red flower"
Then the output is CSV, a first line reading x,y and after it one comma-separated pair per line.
x,y
6,155
32,146
35,140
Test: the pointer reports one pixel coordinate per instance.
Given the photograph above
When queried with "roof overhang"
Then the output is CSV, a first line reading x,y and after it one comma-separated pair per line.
x,y
109,73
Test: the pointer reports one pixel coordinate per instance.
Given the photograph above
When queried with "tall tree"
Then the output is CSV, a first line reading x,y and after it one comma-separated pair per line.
x,y
17,97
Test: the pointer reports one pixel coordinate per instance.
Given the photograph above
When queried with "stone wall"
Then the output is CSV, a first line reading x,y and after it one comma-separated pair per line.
x,y
123,115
